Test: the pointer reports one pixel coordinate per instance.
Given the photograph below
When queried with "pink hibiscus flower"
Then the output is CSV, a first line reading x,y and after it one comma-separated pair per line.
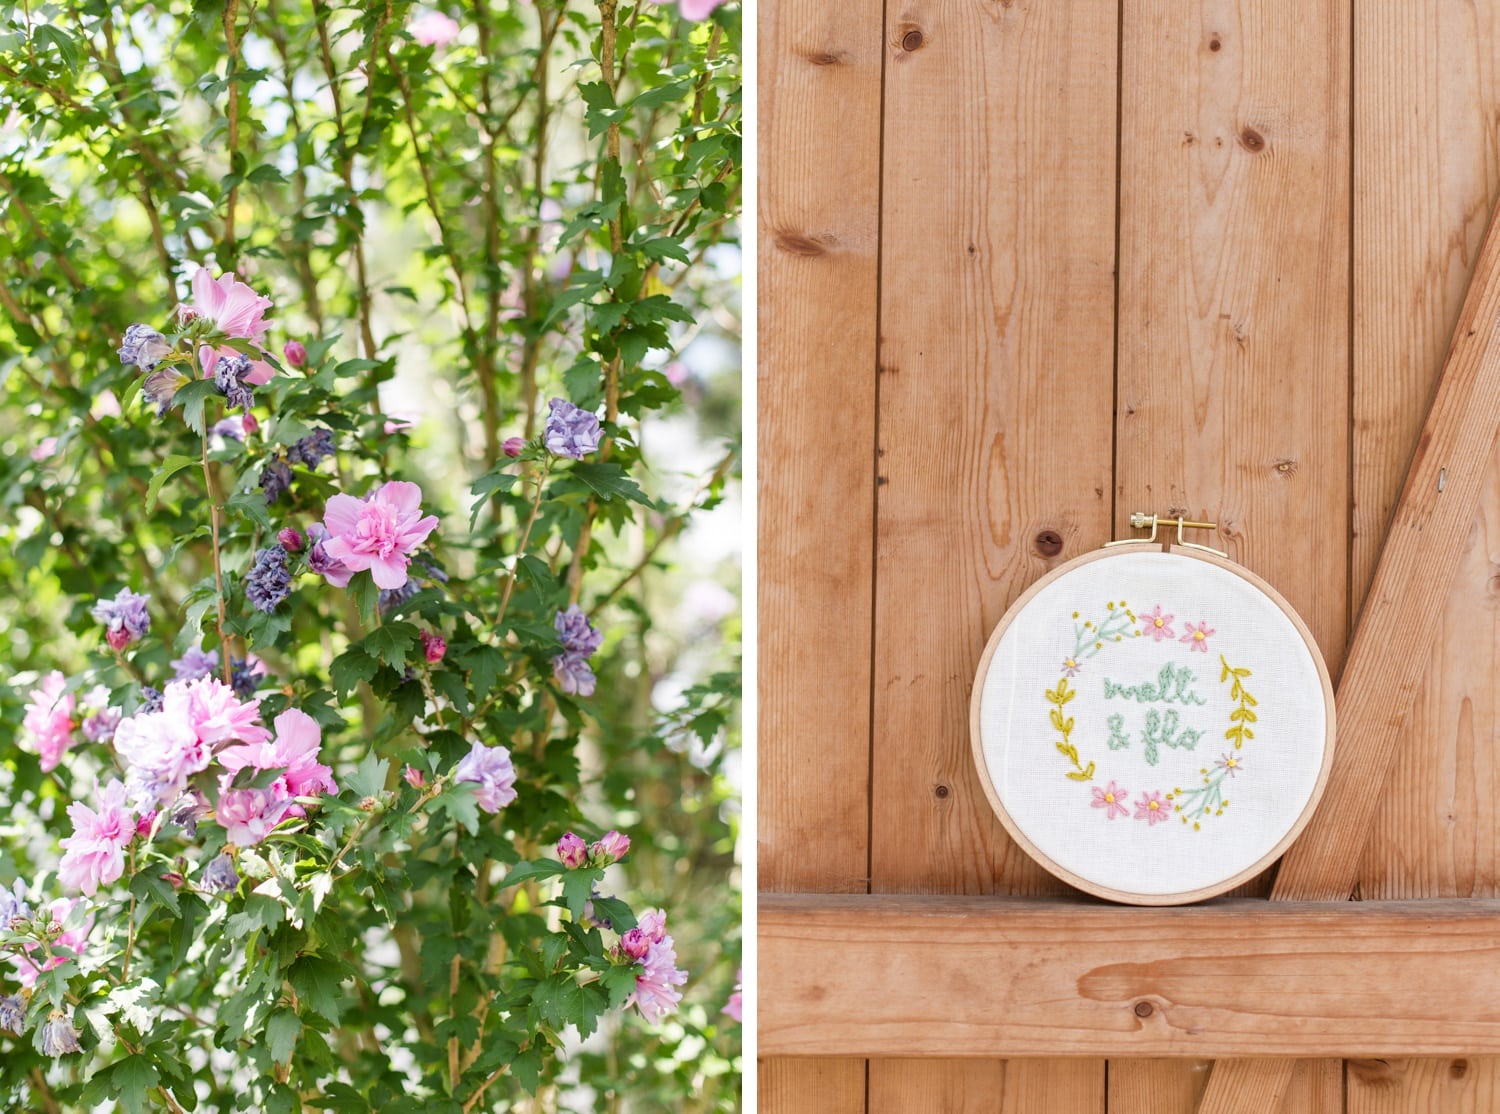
x,y
1197,636
94,855
379,533
49,725
208,358
735,1006
433,29
294,751
1157,625
696,9
1153,808
655,995
236,309
248,815
1112,799
214,712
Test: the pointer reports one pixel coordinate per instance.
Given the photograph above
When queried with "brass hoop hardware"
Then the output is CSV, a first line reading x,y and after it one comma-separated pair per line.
x,y
1139,520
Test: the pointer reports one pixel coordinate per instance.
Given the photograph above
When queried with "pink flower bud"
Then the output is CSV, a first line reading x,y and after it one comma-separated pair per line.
x,y
291,540
249,424
295,354
143,825
635,943
414,777
572,851
513,446
118,638
434,646
610,849
174,878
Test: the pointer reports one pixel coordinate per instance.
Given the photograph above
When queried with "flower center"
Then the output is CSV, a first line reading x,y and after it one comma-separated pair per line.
x,y
1154,805
1159,622
1109,798
1198,636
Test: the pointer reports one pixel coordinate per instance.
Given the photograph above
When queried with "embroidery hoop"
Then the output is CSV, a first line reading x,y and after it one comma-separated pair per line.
x,y
1115,893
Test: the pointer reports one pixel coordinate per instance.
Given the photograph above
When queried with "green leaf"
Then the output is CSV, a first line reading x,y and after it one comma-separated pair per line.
x,y
527,1068
316,979
619,982
169,468
524,871
66,48
350,668
460,802
484,664
368,778
149,886
132,1078
391,643
609,481
577,887
191,397
282,1031
366,598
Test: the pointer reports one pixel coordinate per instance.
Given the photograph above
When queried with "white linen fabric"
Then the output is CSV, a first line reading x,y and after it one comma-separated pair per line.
x,y
1152,667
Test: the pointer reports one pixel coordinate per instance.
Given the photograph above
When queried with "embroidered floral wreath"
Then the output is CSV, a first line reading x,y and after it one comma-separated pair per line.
x,y
1162,727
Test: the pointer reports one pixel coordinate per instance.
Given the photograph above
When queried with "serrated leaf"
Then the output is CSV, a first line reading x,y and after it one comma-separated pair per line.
x,y
460,801
391,643
191,397
316,980
350,668
609,481
526,871
169,468
578,887
132,1079
368,778
619,984
527,1068
282,1031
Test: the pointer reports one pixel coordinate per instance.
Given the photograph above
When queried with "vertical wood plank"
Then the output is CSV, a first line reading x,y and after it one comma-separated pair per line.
x,y
996,369
982,1087
1152,1086
819,107
1233,392
1427,174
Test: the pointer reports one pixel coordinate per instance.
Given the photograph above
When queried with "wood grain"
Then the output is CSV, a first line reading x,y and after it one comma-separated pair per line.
x,y
819,106
901,975
1462,1085
982,1087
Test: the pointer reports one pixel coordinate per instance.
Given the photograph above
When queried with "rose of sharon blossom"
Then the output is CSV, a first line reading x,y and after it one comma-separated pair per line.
x,y
379,533
434,646
696,10
735,1006
161,750
649,944
579,639
489,768
248,815
13,905
513,446
295,353
67,946
611,848
259,374
570,432
572,851
294,751
144,347
94,855
125,618
195,662
433,29
12,1013
318,560
58,1035
48,726
236,309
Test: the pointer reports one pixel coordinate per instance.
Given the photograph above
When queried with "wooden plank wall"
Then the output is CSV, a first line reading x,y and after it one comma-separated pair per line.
x,y
957,394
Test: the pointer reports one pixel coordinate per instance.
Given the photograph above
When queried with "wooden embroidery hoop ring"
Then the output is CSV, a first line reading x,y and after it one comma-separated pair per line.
x,y
1196,553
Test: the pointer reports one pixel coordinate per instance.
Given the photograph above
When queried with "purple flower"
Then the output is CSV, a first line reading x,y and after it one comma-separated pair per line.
x,y
12,1013
125,617
100,727
13,904
58,1035
575,632
195,662
268,582
230,375
244,676
572,851
490,768
573,674
275,478
151,699
313,448
219,876
187,810
571,432
144,347
330,568
232,429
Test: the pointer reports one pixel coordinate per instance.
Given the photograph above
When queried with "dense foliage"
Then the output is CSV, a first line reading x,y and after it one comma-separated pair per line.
x,y
368,392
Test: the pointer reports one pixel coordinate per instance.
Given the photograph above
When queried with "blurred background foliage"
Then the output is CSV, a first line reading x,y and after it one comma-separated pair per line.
x,y
456,225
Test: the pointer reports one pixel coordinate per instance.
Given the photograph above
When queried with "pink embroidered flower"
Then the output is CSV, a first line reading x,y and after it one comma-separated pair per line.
x,y
208,358
1197,636
94,855
294,751
433,29
238,311
48,726
248,815
649,943
379,533
1153,808
65,948
1112,799
734,1007
1157,625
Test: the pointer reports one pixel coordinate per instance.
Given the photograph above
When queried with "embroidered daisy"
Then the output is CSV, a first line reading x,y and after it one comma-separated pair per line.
x,y
1070,667
1112,799
1197,636
1229,764
1153,807
1157,625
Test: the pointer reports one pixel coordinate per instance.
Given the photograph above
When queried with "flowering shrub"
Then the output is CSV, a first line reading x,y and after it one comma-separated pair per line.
x,y
373,719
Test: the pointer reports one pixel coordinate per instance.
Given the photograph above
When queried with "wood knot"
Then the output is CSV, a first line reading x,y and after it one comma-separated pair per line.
x,y
800,243
1048,543
1458,1069
822,57
1215,45
941,792
1252,141
1286,468
912,39
1144,1009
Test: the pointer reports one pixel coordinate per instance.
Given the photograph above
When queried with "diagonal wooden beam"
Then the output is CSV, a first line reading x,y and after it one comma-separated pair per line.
x,y
1389,653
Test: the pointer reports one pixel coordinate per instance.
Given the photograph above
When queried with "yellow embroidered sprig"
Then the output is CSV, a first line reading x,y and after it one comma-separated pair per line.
x,y
1242,716
1059,698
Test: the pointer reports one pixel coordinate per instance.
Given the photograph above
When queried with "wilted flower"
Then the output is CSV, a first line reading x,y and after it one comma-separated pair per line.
x,y
13,904
571,432
58,1035
573,674
12,1013
295,354
268,582
275,478
378,533
161,386
93,855
187,810
433,29
490,768
219,876
125,617
575,632
231,377
434,646
513,446
313,449
238,310
572,850
48,725
151,699
318,560
100,727
245,675
144,347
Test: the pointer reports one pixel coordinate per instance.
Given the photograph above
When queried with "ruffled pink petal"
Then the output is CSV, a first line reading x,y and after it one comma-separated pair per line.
x,y
342,517
208,295
415,534
389,572
406,497
341,549
297,733
339,578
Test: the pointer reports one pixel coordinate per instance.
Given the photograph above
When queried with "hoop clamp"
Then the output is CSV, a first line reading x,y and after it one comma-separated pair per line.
x,y
1139,520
